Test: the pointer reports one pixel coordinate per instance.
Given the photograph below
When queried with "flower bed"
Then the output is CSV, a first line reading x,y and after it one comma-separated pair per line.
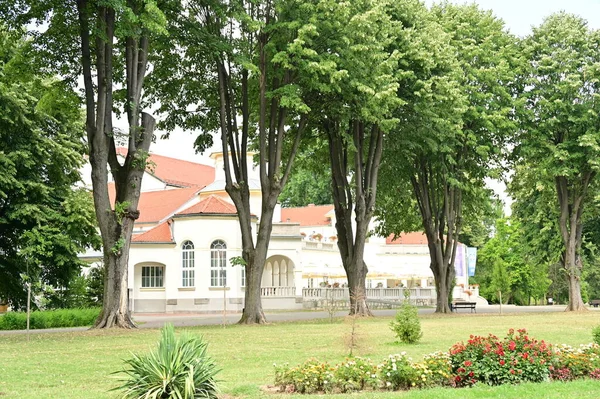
x,y
487,360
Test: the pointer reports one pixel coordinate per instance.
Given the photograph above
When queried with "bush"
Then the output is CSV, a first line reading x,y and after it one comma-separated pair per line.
x,y
310,377
516,358
399,372
407,326
179,368
571,363
355,375
596,334
59,318
440,368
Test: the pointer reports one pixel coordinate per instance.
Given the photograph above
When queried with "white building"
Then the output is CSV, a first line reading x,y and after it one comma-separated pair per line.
x,y
188,232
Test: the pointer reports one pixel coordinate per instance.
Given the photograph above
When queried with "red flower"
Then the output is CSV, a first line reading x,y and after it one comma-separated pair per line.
x,y
457,378
512,371
512,345
471,374
468,363
502,362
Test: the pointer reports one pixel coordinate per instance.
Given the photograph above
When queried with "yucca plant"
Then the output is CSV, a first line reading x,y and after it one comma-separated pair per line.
x,y
179,368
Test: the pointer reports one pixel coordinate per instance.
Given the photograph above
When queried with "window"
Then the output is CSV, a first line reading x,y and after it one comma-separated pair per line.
x,y
187,264
152,276
243,276
218,261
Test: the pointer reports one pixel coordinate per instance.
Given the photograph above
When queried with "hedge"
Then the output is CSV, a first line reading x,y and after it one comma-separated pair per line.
x,y
59,318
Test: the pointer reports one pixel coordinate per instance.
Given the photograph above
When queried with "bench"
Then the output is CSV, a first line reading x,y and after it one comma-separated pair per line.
x,y
595,303
454,306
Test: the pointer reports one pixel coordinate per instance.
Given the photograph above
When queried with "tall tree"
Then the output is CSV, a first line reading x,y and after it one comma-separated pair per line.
x,y
44,221
560,132
454,129
240,82
108,43
353,95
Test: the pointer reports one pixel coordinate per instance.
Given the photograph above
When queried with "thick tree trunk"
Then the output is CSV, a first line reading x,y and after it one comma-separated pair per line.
x,y
444,279
357,274
253,311
573,266
115,307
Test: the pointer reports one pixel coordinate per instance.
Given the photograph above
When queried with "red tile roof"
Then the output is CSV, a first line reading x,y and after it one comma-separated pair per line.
x,y
414,238
154,206
158,234
177,172
212,205
312,215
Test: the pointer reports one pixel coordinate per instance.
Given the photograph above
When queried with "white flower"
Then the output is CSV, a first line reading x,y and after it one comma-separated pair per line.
x,y
388,374
387,384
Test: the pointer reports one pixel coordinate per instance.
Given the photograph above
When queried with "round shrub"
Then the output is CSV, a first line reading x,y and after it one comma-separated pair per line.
x,y
179,368
355,374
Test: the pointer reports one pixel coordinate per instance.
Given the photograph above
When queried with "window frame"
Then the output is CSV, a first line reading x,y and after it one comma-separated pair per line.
x,y
188,273
154,276
218,263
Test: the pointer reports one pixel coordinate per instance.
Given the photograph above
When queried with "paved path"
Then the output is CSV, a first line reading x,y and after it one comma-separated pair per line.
x,y
195,319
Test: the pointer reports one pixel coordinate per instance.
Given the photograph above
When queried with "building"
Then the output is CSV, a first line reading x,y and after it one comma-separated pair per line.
x,y
188,232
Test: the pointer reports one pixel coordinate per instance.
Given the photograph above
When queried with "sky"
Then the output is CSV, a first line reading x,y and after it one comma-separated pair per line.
x,y
519,16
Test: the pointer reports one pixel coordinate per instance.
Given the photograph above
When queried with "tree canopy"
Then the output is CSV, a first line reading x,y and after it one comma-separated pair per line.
x,y
45,222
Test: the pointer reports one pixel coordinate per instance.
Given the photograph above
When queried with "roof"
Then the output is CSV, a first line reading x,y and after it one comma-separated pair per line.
x,y
414,238
212,205
159,234
219,185
311,215
155,206
177,172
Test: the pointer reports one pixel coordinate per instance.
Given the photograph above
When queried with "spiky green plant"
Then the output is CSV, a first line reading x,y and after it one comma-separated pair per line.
x,y
179,368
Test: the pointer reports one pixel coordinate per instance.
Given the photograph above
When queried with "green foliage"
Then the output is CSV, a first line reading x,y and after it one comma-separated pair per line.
x,y
49,319
399,372
95,285
596,334
310,377
178,368
406,325
355,374
45,222
514,359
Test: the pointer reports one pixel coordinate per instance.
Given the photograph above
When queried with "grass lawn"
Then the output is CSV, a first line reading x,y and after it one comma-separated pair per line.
x,y
79,365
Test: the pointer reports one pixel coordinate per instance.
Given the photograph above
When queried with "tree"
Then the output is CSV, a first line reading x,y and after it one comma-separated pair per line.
x,y
108,42
453,129
241,82
560,134
353,96
44,221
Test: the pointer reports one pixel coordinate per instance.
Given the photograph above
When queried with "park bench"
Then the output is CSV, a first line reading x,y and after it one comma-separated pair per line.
x,y
595,302
462,304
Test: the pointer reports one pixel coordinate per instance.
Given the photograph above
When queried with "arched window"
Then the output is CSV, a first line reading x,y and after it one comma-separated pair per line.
x,y
187,264
218,263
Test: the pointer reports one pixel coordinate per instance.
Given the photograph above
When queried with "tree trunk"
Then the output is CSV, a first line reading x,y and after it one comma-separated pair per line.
x,y
357,274
444,277
572,264
253,311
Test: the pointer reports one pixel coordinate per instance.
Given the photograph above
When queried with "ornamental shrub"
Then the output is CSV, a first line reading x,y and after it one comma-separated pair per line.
x,y
406,325
516,358
178,368
355,374
310,377
438,363
399,372
579,362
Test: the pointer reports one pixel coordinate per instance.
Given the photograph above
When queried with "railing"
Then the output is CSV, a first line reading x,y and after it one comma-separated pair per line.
x,y
417,295
324,246
277,292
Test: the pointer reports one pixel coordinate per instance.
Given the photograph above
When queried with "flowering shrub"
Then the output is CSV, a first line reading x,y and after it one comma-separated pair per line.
x,y
575,362
399,372
440,368
516,358
310,377
355,375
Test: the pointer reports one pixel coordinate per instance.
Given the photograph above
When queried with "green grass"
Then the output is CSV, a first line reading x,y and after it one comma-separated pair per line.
x,y
79,365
